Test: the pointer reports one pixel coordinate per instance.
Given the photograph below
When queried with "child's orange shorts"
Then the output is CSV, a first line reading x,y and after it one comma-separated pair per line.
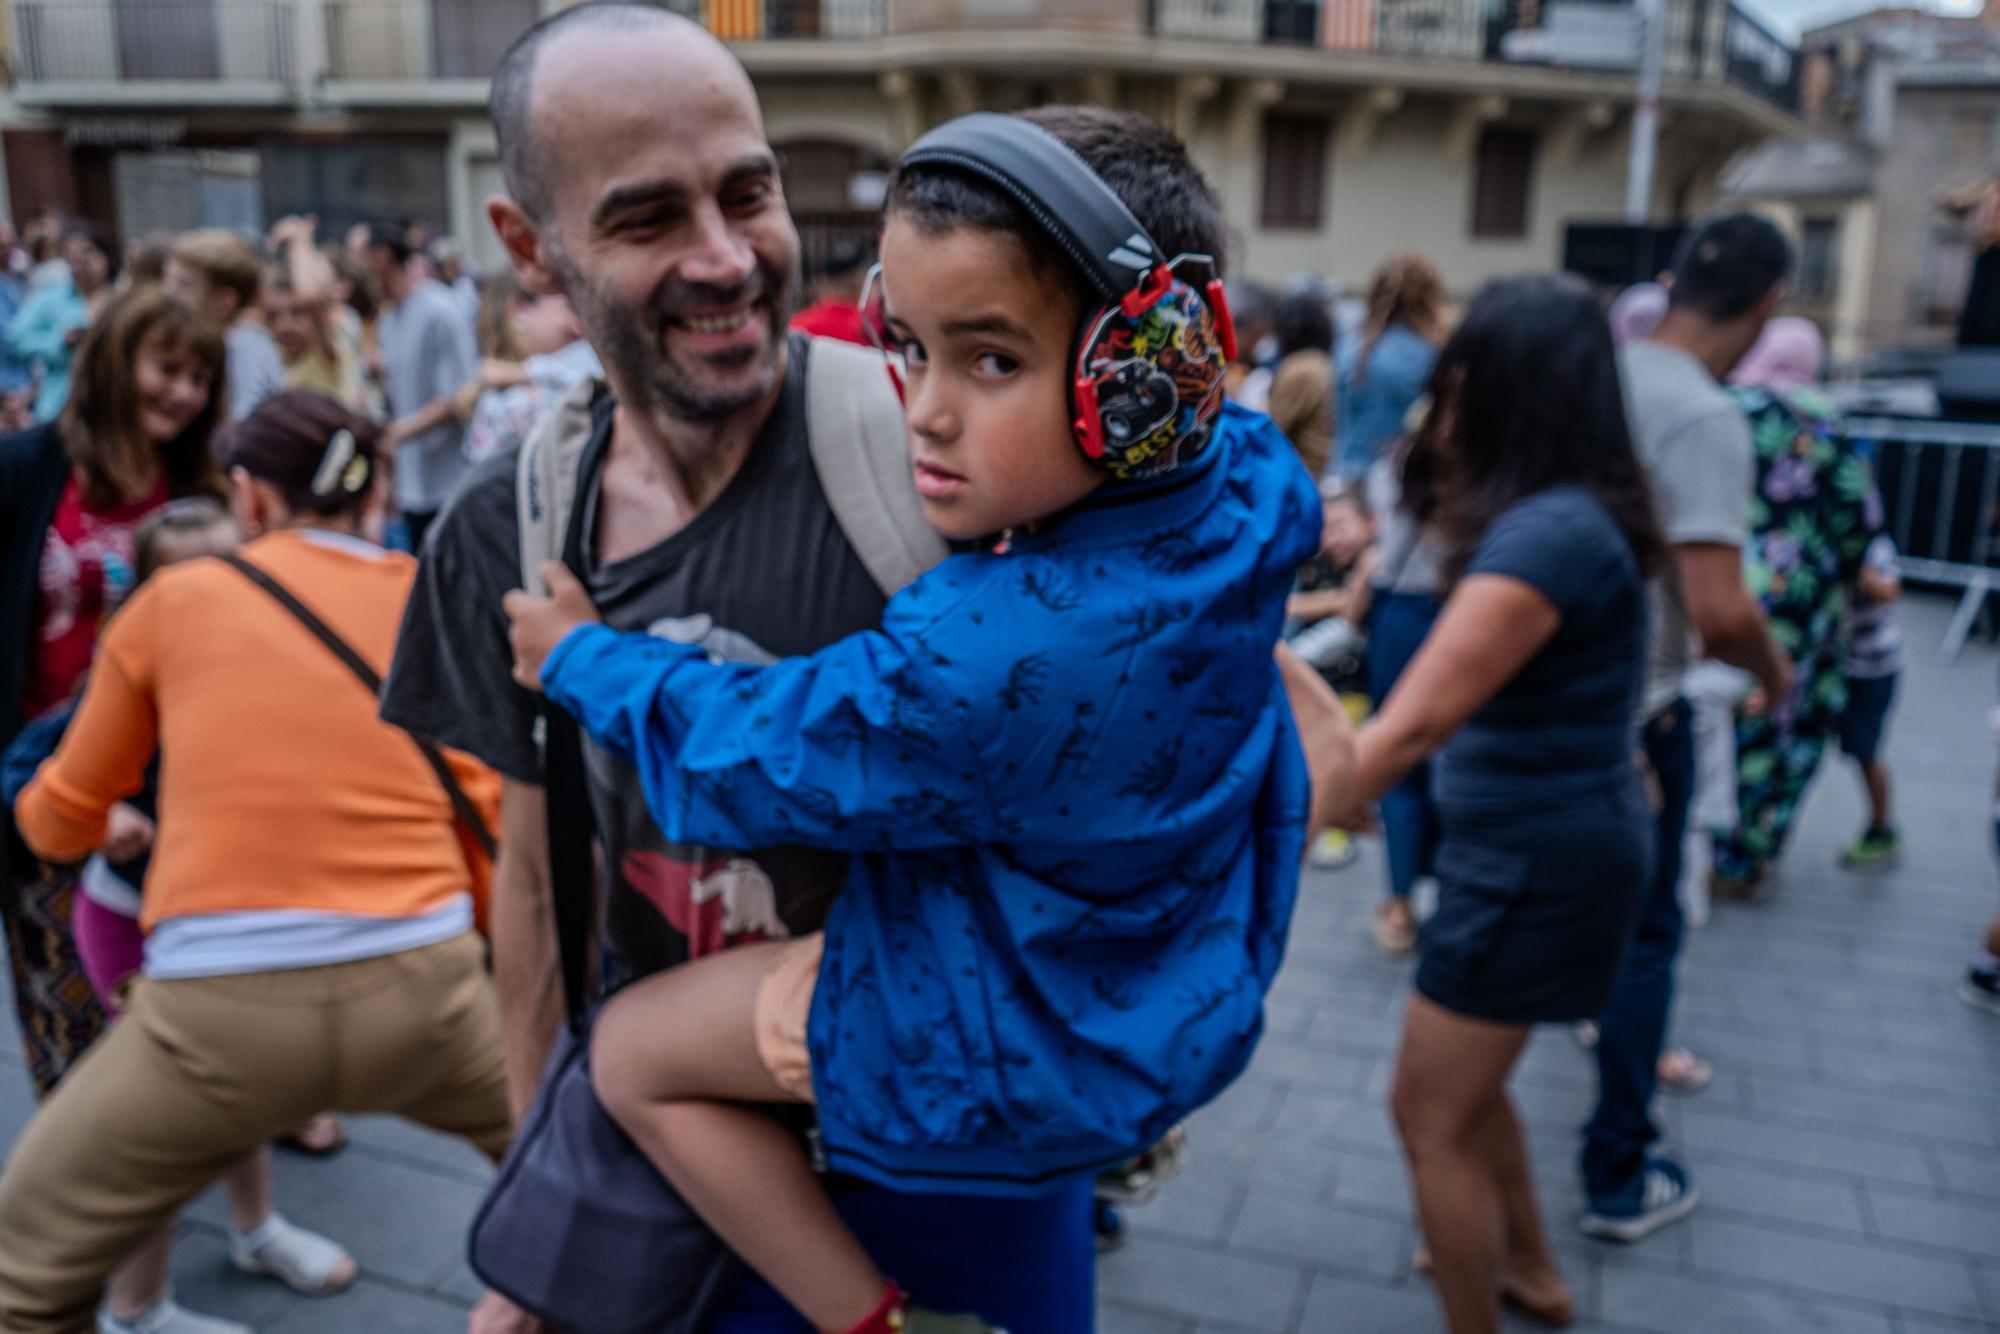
x,y
784,1000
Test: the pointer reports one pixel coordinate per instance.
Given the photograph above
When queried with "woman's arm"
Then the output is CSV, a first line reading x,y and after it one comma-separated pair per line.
x,y
102,760
1490,628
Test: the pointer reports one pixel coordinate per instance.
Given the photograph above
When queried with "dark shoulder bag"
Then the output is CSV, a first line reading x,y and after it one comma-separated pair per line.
x,y
578,1228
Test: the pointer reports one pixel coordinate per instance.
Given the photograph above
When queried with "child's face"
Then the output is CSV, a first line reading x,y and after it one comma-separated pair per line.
x,y
1348,532
986,340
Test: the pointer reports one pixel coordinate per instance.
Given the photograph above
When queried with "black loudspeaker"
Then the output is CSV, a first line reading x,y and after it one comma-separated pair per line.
x,y
1968,384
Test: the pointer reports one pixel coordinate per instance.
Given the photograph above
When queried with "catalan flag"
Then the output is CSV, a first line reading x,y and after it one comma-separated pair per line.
x,y
1347,25
734,20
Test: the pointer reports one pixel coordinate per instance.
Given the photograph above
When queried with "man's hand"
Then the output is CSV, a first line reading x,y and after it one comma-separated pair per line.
x,y
496,1315
128,832
539,624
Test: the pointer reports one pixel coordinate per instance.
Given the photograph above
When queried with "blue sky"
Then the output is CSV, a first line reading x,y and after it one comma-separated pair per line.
x,y
1796,14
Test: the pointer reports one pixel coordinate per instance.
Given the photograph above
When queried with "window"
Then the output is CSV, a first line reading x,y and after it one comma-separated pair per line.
x,y
1502,180
1294,170
1819,260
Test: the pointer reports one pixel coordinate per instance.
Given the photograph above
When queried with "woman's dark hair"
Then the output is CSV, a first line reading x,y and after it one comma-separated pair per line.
x,y
319,456
1302,324
1525,396
100,423
1145,165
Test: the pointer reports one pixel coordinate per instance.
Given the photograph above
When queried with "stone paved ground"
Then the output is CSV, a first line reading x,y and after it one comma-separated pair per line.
x,y
1848,1152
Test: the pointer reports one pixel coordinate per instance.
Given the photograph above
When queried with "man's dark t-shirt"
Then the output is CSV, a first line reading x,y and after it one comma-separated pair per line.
x,y
763,572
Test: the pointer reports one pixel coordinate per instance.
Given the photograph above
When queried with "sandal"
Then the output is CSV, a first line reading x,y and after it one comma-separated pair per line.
x,y
1395,931
1681,1071
322,1137
303,1261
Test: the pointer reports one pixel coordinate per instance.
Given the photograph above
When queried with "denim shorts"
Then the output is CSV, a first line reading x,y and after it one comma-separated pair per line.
x,y
1867,715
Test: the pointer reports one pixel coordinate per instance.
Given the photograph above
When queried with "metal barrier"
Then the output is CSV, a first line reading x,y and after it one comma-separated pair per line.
x,y
1939,483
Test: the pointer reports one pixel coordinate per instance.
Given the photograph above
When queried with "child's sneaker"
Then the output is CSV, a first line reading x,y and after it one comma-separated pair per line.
x,y
1875,849
1982,988
1108,1225
1664,1194
1332,851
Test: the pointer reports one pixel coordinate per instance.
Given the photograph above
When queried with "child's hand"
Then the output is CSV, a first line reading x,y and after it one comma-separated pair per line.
x,y
539,624
127,833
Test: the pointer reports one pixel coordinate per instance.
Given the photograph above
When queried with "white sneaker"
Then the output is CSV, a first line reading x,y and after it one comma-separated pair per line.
x,y
167,1317
303,1261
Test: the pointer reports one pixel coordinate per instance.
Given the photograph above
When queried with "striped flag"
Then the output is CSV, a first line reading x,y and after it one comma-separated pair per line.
x,y
1347,25
734,20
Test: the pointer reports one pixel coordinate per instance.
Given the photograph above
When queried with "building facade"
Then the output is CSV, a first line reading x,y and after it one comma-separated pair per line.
x,y
1902,107
1337,131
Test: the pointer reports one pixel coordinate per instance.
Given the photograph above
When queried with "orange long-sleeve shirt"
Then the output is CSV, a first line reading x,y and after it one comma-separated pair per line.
x,y
280,788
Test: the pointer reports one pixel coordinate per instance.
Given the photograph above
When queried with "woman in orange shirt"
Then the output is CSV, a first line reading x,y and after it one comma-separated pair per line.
x,y
308,910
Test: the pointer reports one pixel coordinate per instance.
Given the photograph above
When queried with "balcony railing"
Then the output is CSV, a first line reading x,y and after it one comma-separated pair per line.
x,y
184,41
400,40
401,44
1757,59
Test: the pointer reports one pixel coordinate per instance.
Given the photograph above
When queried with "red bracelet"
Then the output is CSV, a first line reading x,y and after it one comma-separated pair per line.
x,y
886,1318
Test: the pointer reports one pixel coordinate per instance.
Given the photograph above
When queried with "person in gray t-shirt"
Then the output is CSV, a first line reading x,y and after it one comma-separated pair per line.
x,y
429,351
1696,448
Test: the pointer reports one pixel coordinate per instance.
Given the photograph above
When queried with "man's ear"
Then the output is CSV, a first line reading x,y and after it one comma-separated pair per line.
x,y
522,236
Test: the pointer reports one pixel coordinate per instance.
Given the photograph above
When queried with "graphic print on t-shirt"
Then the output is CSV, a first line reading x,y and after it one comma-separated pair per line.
x,y
86,571
713,898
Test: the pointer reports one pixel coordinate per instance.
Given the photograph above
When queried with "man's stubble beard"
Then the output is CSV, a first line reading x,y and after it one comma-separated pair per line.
x,y
632,344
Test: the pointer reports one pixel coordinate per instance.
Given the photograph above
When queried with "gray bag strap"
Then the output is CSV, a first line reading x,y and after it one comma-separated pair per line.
x,y
545,481
854,421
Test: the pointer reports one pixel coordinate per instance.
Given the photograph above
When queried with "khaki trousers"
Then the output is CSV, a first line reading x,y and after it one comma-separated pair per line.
x,y
201,1071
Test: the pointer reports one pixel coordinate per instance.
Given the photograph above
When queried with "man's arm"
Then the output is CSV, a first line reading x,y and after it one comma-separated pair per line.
x,y
526,972
1731,626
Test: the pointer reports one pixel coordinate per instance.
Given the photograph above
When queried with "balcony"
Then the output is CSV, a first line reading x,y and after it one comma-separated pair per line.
x,y
399,42
441,52
135,52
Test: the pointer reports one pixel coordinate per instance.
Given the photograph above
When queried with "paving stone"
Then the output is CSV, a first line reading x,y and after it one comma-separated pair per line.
x,y
1817,1199
1324,1235
1193,1207
205,1281
17,1103
1930,1220
446,1153
1931,1283
1338,1305
1672,1304
1892,1159
1117,1318
372,1307
1166,1275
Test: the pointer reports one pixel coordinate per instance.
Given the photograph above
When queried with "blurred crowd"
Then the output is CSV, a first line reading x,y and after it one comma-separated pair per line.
x,y
1601,580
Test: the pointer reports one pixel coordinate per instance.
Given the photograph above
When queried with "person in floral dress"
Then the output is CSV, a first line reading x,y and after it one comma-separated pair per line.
x,y
1813,513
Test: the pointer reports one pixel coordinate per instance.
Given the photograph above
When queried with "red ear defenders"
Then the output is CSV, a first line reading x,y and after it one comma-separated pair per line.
x,y
1149,357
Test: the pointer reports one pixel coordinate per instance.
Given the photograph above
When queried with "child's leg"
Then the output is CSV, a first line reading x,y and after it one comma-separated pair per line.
x,y
670,1058
1875,775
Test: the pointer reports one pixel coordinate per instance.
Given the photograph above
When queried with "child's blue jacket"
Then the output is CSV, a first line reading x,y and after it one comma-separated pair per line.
x,y
1071,780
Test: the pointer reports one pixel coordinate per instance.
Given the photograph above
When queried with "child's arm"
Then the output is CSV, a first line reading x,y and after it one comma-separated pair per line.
x,y
856,747
853,747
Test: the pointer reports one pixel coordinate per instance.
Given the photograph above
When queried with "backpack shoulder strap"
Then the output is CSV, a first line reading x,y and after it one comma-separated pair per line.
x,y
854,425
545,479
